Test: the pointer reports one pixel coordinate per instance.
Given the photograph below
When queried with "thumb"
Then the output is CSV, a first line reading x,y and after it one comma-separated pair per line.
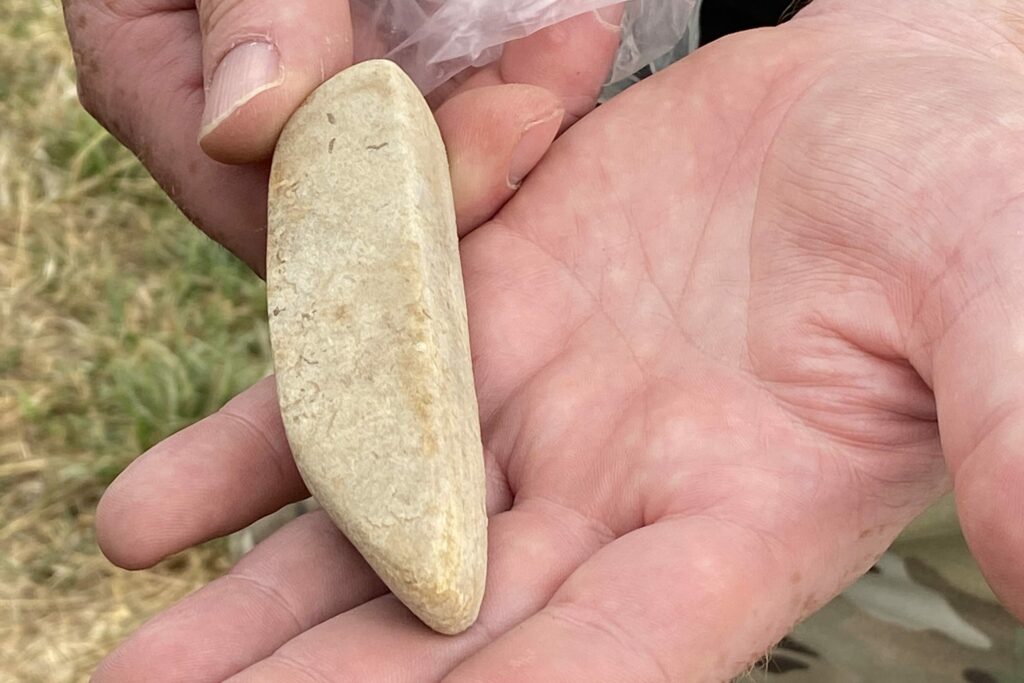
x,y
261,59
978,378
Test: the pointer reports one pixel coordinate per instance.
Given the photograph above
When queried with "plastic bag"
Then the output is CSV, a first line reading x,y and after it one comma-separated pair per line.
x,y
435,39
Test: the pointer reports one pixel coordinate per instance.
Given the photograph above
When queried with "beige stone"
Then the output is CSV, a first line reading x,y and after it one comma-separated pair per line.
x,y
371,346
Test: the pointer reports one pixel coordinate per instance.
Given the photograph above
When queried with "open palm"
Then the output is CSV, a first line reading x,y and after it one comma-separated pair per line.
x,y
716,336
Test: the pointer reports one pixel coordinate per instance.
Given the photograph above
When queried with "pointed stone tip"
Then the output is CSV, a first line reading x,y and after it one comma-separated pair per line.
x,y
450,617
436,566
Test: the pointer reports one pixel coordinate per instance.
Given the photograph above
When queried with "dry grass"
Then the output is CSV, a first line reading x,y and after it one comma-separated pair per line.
x,y
118,324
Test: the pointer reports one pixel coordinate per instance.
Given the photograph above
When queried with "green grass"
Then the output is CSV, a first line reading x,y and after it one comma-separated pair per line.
x,y
119,324
142,323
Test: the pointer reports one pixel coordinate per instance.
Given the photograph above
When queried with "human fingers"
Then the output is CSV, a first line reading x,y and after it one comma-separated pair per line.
x,y
487,168
212,478
571,59
261,60
147,87
531,549
302,575
686,599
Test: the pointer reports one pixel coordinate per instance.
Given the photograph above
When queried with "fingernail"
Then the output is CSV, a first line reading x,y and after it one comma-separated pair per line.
x,y
610,17
533,142
244,72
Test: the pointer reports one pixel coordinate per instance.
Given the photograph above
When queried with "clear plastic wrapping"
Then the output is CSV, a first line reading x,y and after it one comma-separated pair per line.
x,y
435,39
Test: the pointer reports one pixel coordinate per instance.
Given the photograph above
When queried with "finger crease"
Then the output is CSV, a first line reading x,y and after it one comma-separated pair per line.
x,y
595,529
273,595
597,623
260,435
300,668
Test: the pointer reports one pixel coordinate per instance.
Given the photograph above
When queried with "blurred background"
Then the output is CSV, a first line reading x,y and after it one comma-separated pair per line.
x,y
119,324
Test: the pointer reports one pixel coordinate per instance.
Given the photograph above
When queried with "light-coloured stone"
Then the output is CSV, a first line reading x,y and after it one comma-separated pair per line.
x,y
371,346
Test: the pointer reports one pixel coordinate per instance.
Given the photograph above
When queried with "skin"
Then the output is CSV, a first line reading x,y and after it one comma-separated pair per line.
x,y
144,68
718,334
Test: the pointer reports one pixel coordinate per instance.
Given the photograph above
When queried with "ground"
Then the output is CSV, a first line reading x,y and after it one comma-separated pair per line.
x,y
119,324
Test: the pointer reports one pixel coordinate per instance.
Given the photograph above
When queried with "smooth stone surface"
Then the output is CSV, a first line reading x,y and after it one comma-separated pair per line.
x,y
371,346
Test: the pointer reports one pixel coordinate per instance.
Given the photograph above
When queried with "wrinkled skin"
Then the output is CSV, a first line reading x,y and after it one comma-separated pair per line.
x,y
716,335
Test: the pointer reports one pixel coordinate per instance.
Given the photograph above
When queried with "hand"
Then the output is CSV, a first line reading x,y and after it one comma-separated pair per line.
x,y
162,76
716,335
